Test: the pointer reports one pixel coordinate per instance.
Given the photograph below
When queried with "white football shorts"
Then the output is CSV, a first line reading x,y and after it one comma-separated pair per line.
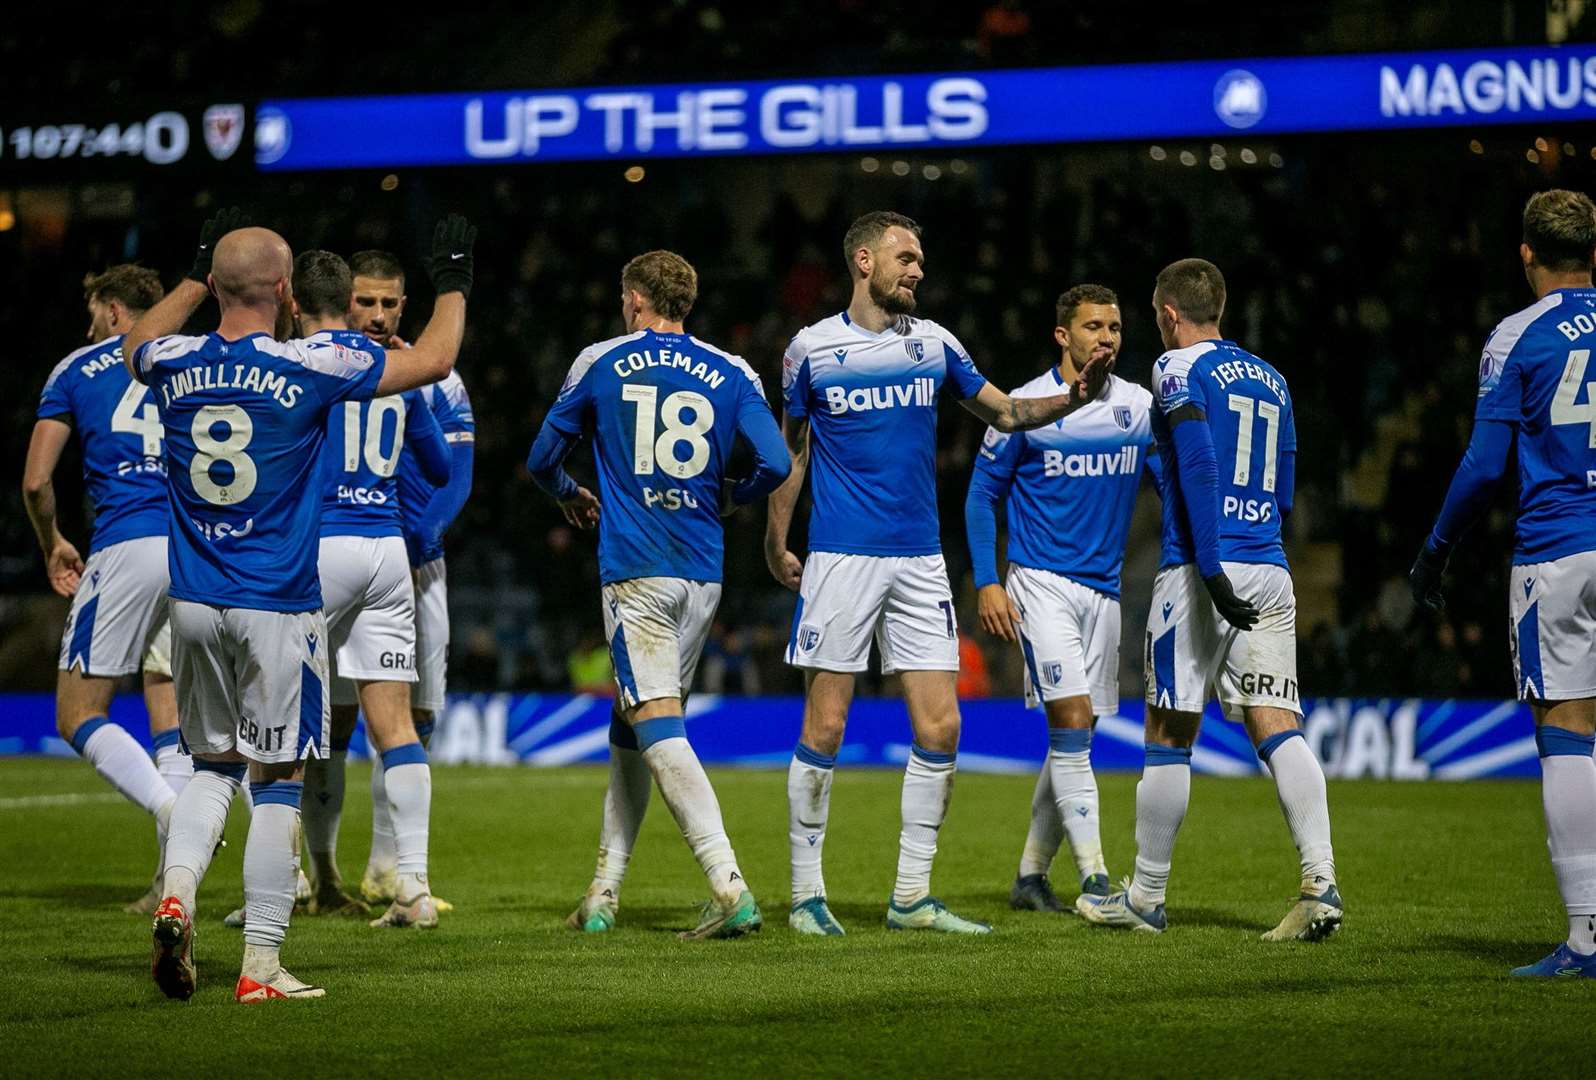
x,y
1069,635
118,610
903,602
1192,649
158,654
371,612
1552,608
432,636
656,628
251,681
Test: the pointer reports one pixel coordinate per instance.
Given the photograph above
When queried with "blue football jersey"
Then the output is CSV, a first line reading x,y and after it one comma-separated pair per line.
x,y
1250,417
124,466
450,406
1536,374
1072,484
360,492
871,402
245,425
664,411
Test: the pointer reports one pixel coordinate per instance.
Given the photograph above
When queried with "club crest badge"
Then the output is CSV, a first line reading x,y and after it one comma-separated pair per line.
x,y
1122,417
1053,672
224,130
915,348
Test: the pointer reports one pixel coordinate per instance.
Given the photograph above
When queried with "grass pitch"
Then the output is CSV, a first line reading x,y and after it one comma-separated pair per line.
x,y
1447,886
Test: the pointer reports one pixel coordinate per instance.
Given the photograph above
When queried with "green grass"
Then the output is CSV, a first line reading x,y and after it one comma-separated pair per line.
x,y
1447,887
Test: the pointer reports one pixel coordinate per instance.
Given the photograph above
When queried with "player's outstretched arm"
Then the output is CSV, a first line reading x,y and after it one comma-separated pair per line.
x,y
786,567
62,563
1197,465
174,309
1010,414
433,355
1476,478
166,317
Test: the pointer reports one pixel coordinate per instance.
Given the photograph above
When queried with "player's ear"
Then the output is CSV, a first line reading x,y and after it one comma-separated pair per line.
x,y
1062,336
1527,254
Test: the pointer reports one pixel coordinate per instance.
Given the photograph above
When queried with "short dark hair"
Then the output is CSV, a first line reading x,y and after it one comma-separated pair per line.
x,y
323,283
138,288
1077,295
668,280
1193,287
1560,228
377,264
868,228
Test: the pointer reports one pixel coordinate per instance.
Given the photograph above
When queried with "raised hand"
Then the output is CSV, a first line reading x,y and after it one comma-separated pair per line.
x,y
450,266
216,226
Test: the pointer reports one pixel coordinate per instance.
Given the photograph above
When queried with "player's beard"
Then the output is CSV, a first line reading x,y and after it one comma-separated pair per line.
x,y
886,296
285,321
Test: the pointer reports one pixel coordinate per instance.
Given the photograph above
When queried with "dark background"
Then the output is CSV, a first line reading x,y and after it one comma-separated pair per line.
x,y
1367,268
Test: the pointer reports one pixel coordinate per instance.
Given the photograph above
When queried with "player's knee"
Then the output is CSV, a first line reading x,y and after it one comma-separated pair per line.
x,y
343,725
1168,728
1070,712
78,700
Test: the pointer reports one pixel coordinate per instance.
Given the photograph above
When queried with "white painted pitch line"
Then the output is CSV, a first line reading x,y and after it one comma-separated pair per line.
x,y
30,802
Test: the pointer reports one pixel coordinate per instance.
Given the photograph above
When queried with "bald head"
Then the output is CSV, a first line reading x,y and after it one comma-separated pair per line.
x,y
249,266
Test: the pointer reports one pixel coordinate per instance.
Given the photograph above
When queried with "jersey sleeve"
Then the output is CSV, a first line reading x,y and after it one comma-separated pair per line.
x,y
795,384
964,381
1501,394
424,437
756,426
148,356
570,410
452,407
1171,384
1000,453
55,401
341,372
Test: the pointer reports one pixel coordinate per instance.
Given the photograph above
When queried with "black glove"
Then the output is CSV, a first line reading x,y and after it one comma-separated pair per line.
x,y
1425,577
449,266
1237,612
216,227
